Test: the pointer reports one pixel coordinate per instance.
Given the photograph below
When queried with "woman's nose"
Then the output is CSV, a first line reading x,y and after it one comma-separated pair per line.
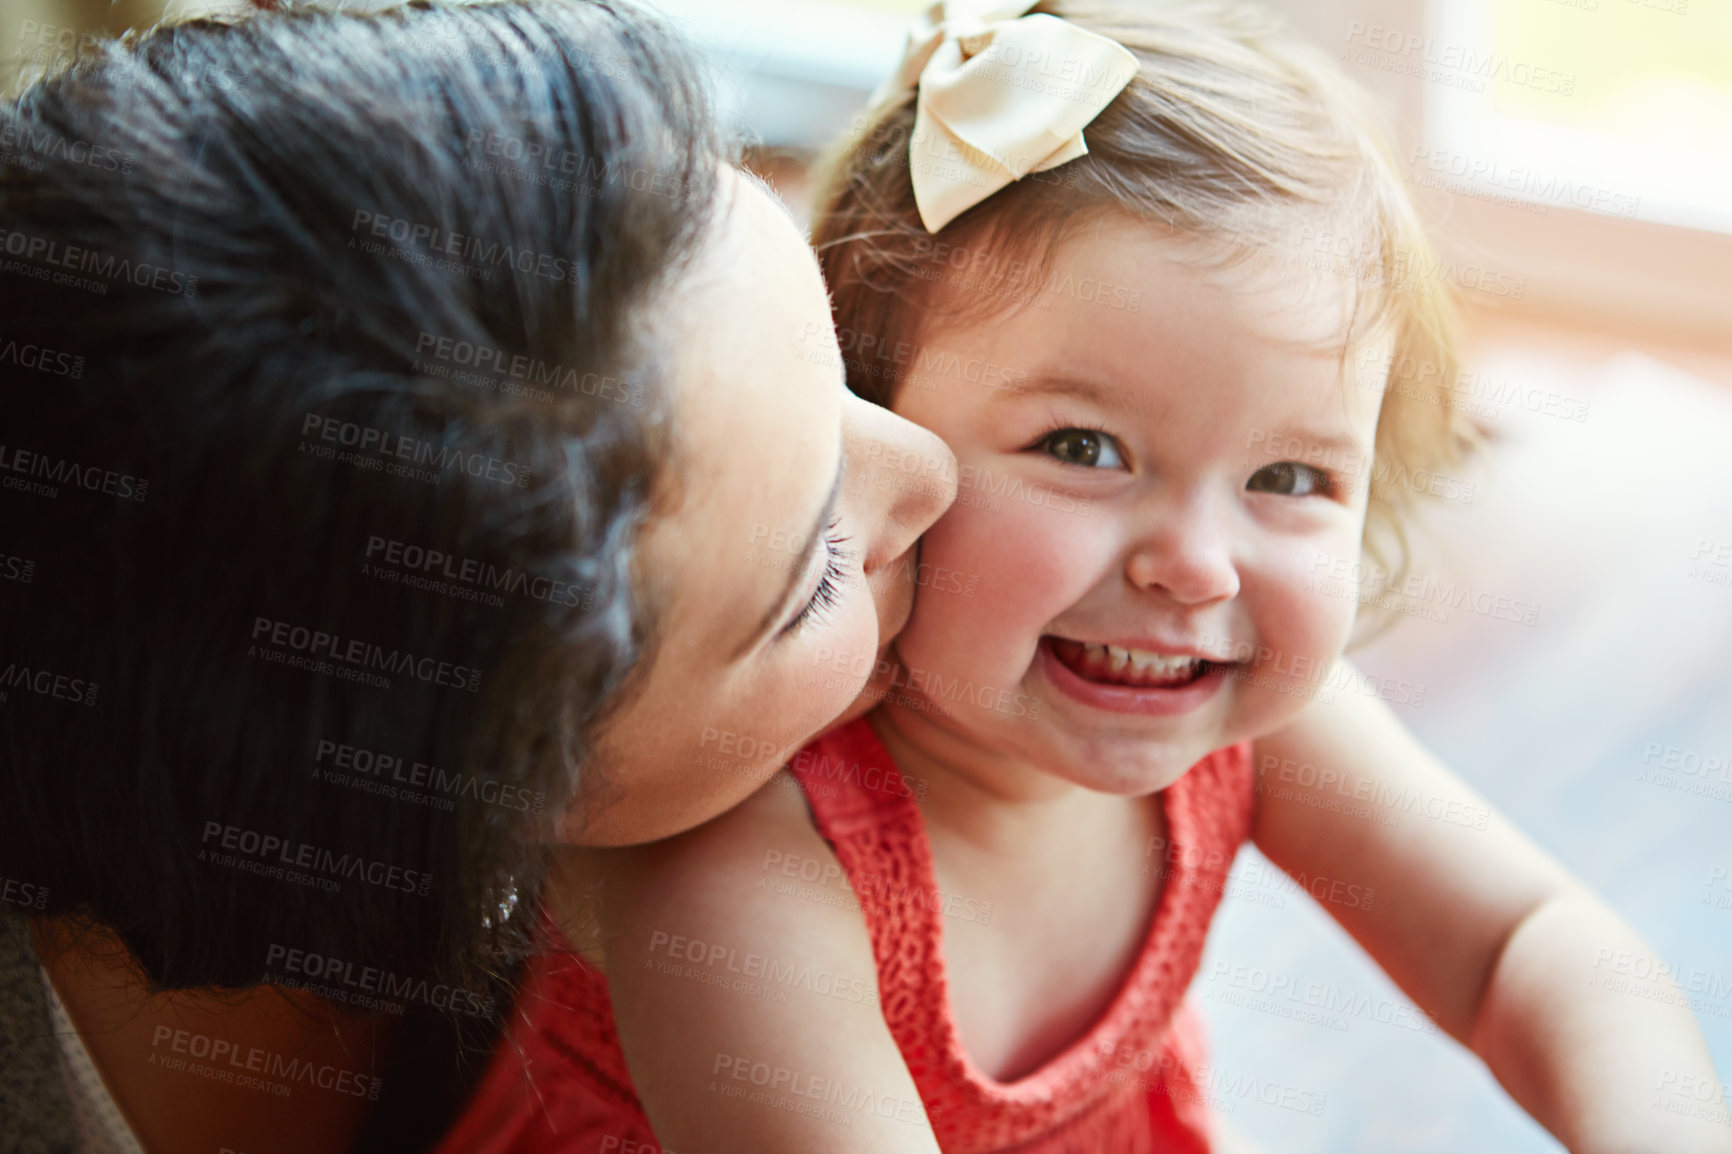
x,y
907,477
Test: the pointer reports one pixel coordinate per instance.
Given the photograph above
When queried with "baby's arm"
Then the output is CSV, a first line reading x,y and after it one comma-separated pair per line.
x,y
797,1057
1486,933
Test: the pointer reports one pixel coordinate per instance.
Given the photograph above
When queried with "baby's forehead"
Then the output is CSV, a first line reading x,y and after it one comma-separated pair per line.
x,y
1117,263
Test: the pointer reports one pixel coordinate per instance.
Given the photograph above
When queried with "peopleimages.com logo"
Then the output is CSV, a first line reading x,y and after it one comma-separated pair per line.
x,y
321,652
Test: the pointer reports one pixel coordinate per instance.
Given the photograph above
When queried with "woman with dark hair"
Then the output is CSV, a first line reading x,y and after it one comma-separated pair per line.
x,y
419,449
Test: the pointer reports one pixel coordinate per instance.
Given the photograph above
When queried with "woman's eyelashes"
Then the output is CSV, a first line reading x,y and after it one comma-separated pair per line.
x,y
1291,479
828,594
1087,448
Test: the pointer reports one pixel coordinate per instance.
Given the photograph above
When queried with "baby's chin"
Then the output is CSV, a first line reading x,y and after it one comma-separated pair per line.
x,y
1125,767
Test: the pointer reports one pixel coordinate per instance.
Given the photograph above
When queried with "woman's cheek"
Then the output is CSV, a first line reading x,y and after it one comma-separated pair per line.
x,y
995,578
848,645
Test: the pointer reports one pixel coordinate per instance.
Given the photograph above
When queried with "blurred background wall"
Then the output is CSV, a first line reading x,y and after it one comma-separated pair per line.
x,y
1575,158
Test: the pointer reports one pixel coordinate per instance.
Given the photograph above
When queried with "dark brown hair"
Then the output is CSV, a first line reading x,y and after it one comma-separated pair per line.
x,y
329,425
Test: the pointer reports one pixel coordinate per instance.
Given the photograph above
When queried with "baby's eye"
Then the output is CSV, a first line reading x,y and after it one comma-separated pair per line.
x,y
1289,479
1089,448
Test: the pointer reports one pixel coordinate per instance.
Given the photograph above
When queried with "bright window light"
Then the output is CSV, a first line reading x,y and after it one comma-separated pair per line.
x,y
1621,107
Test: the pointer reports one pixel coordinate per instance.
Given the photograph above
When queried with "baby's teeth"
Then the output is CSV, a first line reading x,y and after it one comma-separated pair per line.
x,y
1134,662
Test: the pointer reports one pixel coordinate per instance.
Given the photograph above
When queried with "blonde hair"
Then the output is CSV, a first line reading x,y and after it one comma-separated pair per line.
x,y
1232,133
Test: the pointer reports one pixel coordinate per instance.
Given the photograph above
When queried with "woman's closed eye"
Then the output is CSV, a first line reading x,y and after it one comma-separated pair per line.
x,y
828,594
1087,448
1291,479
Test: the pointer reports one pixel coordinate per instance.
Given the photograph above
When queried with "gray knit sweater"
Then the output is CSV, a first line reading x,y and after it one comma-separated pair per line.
x,y
35,1110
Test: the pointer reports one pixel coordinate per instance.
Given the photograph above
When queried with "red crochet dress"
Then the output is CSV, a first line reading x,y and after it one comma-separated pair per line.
x,y
559,1083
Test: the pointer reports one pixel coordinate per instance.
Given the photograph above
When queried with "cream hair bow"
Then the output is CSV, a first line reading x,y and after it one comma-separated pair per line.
x,y
1001,94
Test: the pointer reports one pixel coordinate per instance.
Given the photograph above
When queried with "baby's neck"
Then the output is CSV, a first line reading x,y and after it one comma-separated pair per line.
x,y
1056,870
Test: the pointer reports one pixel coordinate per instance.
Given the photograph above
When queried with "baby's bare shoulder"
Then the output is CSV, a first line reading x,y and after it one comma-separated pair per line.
x,y
725,962
759,871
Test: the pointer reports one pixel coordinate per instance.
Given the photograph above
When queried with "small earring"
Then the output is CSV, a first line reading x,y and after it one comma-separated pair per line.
x,y
505,904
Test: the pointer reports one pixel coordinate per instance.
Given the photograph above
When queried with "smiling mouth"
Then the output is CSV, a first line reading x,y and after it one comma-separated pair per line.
x,y
1133,668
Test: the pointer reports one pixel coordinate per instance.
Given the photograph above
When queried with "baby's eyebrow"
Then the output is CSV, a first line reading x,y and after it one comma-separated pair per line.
x,y
1061,386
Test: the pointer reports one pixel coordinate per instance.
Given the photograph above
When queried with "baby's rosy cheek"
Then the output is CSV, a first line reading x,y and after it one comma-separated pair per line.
x,y
1310,618
1022,568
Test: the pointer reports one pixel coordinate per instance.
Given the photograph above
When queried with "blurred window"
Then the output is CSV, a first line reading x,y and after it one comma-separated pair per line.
x,y
1620,107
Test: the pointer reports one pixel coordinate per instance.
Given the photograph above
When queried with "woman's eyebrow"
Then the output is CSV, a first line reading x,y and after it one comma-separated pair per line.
x,y
802,563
